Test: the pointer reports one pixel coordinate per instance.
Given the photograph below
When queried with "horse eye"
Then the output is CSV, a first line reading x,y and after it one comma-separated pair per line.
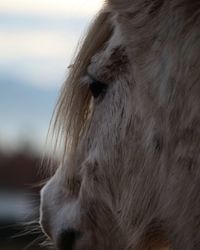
x,y
97,88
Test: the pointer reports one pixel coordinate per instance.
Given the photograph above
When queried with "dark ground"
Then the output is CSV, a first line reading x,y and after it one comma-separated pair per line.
x,y
19,178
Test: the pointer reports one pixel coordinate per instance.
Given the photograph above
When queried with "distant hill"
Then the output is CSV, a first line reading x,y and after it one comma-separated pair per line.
x,y
19,100
25,112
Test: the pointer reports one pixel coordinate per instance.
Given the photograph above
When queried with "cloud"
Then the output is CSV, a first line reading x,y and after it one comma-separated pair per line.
x,y
37,41
39,57
38,37
51,7
36,44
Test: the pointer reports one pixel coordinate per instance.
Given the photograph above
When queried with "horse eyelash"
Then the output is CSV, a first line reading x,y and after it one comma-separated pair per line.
x,y
97,87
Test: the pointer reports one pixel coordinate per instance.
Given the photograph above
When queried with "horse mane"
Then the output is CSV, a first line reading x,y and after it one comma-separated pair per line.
x,y
74,104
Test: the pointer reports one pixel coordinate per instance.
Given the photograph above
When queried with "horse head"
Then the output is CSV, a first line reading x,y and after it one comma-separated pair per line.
x,y
129,116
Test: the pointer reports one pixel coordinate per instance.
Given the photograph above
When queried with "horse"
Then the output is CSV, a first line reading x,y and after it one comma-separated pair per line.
x,y
128,116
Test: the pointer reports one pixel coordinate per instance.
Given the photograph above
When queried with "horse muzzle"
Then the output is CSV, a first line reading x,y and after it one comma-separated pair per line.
x,y
59,218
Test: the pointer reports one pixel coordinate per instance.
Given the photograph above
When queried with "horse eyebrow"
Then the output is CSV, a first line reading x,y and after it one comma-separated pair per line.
x,y
94,78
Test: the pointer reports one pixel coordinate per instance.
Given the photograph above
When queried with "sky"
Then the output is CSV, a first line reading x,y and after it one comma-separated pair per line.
x,y
38,39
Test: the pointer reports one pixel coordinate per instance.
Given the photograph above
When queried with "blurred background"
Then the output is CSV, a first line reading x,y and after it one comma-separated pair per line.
x,y
37,41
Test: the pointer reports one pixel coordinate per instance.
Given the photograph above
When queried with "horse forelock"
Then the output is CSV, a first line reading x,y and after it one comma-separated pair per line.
x,y
74,104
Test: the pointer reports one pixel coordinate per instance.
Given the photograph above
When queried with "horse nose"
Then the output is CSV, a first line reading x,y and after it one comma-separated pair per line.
x,y
59,216
67,238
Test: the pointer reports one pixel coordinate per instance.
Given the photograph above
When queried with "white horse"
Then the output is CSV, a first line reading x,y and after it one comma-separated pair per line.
x,y
129,116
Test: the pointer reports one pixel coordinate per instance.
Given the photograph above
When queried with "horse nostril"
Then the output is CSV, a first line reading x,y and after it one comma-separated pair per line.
x,y
67,239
